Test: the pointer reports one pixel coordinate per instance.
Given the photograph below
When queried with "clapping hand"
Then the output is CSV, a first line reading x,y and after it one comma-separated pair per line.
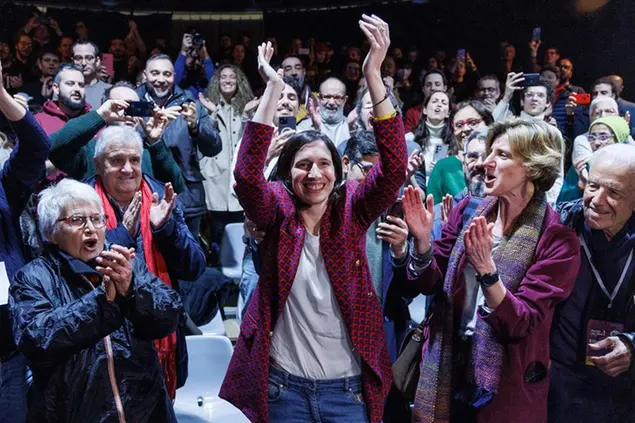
x,y
415,161
161,211
190,115
419,218
116,267
211,107
446,207
478,245
131,216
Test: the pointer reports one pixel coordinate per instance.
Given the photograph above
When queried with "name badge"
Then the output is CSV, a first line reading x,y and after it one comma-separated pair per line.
x,y
596,331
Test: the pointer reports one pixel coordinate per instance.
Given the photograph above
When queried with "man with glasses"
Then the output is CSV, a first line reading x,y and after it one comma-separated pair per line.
x,y
87,58
535,101
329,117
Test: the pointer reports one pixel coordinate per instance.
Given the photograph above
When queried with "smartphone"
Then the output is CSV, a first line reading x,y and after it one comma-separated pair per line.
x,y
396,210
140,108
286,122
108,60
583,99
460,55
535,36
531,79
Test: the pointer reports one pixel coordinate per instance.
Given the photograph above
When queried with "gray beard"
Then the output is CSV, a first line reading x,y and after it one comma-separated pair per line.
x,y
332,117
476,189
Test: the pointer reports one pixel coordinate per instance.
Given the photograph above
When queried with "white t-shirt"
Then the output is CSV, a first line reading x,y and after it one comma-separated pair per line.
x,y
310,339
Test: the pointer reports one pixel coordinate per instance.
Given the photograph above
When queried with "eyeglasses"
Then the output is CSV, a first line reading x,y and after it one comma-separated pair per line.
x,y
352,68
536,95
490,90
472,123
471,158
601,138
336,98
88,59
78,221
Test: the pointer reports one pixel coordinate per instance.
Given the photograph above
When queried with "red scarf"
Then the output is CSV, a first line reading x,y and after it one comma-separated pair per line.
x,y
166,347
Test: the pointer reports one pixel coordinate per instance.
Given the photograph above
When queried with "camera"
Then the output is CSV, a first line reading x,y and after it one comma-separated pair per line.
x,y
197,39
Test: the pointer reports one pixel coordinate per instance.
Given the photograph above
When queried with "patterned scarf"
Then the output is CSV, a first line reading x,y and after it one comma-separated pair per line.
x,y
512,258
166,347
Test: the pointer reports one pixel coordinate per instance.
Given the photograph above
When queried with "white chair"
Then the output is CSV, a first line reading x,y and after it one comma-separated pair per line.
x,y
198,400
232,250
418,308
215,327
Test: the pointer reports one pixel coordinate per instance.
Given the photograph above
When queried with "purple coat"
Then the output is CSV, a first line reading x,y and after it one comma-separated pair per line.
x,y
522,320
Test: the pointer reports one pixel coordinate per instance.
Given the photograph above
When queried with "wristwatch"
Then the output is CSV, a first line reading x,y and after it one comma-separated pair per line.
x,y
487,279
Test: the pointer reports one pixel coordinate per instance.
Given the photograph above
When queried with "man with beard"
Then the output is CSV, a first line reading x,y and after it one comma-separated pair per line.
x,y
189,136
68,100
40,90
474,154
592,378
87,58
329,117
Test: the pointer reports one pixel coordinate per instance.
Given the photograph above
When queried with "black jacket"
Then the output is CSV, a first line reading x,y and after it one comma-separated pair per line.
x,y
60,323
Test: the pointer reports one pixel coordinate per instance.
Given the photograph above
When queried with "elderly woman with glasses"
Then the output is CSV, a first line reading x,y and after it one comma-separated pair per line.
x,y
85,315
501,265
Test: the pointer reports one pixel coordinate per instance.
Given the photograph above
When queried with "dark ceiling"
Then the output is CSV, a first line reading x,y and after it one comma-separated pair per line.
x,y
206,5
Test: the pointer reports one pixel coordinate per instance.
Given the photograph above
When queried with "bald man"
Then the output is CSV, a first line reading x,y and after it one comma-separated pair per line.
x,y
624,105
329,119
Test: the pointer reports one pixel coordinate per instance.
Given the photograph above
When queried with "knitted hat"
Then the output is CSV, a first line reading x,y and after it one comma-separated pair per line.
x,y
616,124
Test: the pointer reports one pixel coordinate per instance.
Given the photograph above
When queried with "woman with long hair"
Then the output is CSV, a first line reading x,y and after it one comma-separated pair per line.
x,y
434,133
312,344
227,96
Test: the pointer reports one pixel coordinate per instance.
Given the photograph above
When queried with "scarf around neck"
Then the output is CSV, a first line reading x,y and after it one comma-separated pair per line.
x,y
166,347
512,258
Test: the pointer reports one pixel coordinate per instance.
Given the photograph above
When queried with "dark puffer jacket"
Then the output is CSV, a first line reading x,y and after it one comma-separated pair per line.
x,y
60,323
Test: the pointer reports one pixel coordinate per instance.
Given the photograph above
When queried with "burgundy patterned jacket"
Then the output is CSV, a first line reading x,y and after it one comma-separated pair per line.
x,y
343,245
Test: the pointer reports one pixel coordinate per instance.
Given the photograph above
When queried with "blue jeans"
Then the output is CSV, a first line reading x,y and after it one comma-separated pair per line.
x,y
13,389
248,283
293,399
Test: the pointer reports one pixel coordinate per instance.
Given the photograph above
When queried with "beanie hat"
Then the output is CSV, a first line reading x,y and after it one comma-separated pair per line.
x,y
617,125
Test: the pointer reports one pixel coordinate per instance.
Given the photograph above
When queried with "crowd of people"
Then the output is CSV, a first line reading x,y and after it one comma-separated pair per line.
x,y
365,178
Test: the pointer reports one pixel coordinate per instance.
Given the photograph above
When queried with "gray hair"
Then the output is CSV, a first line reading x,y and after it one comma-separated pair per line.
x,y
617,155
117,133
477,134
602,99
53,200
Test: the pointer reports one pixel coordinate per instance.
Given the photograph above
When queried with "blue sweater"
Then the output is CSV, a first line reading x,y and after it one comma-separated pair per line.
x,y
18,179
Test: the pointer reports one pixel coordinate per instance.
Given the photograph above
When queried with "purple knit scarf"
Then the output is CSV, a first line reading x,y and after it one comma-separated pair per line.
x,y
512,258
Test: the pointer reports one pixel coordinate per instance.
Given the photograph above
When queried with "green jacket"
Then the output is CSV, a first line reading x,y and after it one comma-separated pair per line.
x,y
73,149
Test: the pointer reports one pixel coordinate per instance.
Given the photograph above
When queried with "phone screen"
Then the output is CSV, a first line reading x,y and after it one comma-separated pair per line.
x,y
460,55
139,108
536,34
531,79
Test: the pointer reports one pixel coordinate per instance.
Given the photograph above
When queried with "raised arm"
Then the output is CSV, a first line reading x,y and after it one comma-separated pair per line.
x,y
380,188
26,166
255,194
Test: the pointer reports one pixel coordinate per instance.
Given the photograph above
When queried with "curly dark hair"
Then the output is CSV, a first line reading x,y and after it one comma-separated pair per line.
x,y
243,94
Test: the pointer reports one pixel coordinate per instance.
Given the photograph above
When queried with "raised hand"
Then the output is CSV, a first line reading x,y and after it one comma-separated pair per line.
x,y
211,107
313,110
419,218
478,245
131,216
513,84
112,111
268,74
377,33
160,211
446,207
415,161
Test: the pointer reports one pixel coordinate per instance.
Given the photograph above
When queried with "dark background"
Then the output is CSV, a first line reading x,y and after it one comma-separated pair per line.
x,y
599,43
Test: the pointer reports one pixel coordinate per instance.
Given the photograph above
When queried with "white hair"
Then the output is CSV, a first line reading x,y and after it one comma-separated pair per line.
x,y
118,133
622,155
53,200
602,99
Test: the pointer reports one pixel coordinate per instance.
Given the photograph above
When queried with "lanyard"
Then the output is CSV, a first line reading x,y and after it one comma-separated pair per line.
x,y
612,295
